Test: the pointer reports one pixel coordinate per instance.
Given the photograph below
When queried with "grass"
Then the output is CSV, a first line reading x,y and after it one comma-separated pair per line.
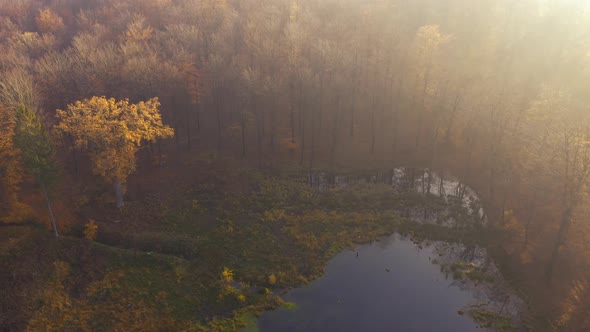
x,y
251,323
489,318
474,273
290,305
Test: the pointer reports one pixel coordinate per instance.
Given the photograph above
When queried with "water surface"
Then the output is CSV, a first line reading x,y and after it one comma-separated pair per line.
x,y
391,286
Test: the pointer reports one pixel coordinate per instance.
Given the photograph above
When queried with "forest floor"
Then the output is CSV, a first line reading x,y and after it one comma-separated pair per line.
x,y
205,252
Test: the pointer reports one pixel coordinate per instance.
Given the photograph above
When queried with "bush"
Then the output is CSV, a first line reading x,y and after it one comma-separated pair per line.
x,y
91,230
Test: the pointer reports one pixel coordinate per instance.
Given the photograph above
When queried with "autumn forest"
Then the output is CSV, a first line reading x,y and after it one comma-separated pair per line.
x,y
174,165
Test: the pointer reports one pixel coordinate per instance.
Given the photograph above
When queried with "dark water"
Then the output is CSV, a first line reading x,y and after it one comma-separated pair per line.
x,y
359,294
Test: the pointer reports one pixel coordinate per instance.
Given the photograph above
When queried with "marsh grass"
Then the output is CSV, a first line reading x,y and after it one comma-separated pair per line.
x,y
490,318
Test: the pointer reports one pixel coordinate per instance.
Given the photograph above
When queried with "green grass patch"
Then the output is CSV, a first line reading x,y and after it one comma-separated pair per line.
x,y
290,306
250,321
474,273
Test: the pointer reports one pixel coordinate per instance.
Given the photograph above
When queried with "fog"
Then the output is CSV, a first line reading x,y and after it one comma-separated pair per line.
x,y
493,92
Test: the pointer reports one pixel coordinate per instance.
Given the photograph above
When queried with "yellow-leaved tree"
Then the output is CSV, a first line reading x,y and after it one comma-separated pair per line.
x,y
112,132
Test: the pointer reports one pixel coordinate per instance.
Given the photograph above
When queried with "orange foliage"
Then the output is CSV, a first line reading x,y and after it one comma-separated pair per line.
x,y
49,22
138,31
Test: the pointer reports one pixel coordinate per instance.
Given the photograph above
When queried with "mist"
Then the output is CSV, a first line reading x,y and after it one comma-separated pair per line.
x,y
212,144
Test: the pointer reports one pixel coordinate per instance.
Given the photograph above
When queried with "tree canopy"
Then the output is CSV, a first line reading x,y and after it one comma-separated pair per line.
x,y
112,132
494,91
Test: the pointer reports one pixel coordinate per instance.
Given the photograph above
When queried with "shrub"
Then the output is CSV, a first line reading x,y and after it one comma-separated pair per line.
x,y
91,230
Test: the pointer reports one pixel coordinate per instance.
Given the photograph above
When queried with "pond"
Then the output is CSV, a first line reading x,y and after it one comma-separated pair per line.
x,y
422,181
392,285
396,284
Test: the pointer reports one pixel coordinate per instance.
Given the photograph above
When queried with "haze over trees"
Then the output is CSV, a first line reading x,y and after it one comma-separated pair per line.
x,y
496,92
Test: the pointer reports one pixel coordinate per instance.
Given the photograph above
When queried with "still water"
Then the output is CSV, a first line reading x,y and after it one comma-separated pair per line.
x,y
391,286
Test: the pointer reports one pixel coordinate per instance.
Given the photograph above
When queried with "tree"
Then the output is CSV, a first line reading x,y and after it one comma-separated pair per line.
x,y
427,46
49,22
112,132
563,138
17,88
137,31
574,143
34,143
10,171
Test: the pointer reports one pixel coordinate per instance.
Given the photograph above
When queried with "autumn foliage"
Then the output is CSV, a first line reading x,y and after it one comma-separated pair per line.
x,y
112,132
11,173
495,92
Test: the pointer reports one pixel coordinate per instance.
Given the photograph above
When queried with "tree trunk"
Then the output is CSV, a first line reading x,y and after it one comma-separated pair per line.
x,y
422,109
176,137
429,183
395,118
504,198
527,226
320,115
292,119
335,130
151,154
119,193
198,118
302,117
373,124
353,95
272,132
53,223
74,155
243,124
563,229
258,136
219,122
312,151
188,130
452,119
159,153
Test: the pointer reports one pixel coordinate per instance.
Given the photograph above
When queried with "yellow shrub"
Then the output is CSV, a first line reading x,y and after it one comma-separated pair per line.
x,y
272,279
227,275
91,230
273,215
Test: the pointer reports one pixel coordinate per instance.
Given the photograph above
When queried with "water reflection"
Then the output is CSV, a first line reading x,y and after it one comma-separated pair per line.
x,y
391,286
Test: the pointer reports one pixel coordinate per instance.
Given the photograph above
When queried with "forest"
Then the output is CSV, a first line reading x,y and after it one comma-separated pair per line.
x,y
157,157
